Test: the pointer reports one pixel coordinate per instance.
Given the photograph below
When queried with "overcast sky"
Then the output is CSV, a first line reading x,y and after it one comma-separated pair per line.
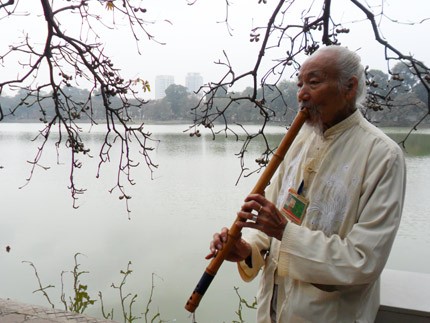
x,y
196,36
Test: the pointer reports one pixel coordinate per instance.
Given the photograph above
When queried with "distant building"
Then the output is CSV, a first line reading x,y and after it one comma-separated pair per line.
x,y
193,82
162,82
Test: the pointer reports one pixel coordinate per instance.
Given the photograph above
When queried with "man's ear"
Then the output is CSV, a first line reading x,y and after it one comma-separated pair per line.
x,y
351,88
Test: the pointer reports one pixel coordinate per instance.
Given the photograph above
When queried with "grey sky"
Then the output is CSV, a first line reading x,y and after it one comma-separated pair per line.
x,y
196,40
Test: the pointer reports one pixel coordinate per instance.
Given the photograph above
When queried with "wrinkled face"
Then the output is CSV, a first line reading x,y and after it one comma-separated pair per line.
x,y
320,92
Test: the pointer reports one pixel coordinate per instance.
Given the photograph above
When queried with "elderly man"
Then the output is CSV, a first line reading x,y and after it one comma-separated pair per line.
x,y
326,224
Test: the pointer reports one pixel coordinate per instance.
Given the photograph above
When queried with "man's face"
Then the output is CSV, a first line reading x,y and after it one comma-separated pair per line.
x,y
319,91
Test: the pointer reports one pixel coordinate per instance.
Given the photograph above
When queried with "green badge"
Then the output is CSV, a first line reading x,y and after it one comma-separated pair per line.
x,y
295,206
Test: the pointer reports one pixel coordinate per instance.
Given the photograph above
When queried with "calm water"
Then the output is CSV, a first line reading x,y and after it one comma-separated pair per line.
x,y
173,217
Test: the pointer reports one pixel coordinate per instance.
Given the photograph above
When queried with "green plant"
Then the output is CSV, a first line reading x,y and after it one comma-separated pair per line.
x,y
127,315
128,300
41,288
242,302
147,309
81,299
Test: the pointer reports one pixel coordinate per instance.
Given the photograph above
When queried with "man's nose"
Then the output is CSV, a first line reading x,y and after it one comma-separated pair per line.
x,y
303,94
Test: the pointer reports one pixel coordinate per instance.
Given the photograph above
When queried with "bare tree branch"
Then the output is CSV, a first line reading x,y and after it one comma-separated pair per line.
x,y
281,33
69,59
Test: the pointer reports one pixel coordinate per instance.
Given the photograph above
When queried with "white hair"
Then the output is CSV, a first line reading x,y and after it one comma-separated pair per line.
x,y
348,64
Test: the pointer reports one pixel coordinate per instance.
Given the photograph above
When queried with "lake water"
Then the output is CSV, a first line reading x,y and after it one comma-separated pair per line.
x,y
193,193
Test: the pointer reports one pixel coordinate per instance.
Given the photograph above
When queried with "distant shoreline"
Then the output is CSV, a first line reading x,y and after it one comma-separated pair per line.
x,y
423,125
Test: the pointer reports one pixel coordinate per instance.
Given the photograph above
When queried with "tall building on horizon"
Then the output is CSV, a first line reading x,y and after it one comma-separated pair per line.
x,y
162,82
193,81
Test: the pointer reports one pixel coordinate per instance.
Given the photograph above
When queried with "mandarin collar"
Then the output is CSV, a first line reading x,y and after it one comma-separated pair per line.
x,y
345,124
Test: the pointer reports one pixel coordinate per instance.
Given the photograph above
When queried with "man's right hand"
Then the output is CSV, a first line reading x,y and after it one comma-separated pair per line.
x,y
239,251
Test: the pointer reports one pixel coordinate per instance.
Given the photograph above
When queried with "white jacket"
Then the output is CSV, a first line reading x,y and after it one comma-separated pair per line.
x,y
354,177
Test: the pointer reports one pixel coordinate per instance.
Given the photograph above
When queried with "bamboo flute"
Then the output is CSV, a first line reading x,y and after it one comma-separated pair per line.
x,y
234,231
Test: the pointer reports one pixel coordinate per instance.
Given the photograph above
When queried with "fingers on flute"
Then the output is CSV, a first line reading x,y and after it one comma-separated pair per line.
x,y
244,215
247,218
210,255
255,197
217,242
221,238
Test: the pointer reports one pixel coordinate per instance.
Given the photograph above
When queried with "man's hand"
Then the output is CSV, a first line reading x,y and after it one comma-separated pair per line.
x,y
240,250
259,213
